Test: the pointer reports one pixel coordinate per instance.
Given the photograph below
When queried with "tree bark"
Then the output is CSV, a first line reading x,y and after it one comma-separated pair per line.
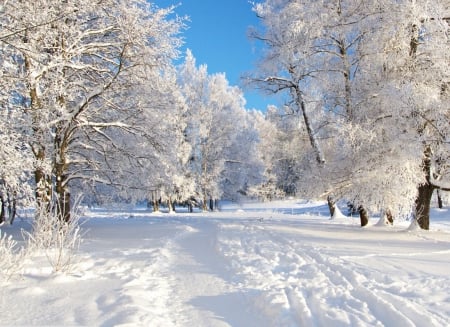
x,y
439,199
424,194
12,207
2,209
389,217
422,205
155,201
363,215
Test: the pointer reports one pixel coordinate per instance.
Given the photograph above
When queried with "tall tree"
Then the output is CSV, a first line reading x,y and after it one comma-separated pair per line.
x,y
374,79
80,64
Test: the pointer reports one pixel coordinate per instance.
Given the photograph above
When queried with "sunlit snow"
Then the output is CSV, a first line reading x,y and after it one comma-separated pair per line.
x,y
273,264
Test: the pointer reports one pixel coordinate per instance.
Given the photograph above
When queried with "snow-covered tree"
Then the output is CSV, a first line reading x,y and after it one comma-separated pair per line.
x,y
243,166
213,125
81,71
375,74
412,77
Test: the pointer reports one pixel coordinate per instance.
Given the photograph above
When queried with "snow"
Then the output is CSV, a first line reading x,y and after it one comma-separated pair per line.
x,y
260,264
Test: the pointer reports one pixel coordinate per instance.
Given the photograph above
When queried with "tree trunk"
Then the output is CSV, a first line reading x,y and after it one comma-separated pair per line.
x,y
64,206
62,194
439,199
43,186
211,204
424,194
422,205
311,134
155,201
205,203
389,217
170,205
363,215
331,205
12,208
3,209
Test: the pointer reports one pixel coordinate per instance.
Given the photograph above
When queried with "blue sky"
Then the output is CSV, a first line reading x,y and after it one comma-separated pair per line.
x,y
217,36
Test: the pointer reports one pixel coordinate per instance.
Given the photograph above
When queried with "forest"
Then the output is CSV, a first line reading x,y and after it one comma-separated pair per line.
x,y
99,105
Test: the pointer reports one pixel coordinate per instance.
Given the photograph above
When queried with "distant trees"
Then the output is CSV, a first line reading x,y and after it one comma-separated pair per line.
x,y
92,102
369,80
215,127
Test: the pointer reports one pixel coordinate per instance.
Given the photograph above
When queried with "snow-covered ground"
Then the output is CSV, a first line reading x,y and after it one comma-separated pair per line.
x,y
276,264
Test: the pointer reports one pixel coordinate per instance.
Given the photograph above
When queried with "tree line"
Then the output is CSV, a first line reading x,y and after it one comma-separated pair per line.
x,y
93,102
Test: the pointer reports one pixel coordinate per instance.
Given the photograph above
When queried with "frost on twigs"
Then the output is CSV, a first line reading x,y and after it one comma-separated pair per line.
x,y
11,257
55,238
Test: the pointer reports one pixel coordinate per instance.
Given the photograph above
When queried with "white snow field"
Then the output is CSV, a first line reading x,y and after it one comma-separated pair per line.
x,y
275,264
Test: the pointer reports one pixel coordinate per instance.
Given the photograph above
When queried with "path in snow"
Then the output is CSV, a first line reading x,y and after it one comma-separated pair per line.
x,y
241,269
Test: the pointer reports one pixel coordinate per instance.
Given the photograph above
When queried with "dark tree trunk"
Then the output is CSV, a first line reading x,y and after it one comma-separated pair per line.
x,y
389,217
422,205
12,209
331,205
424,194
64,207
363,215
211,204
439,199
3,209
155,201
63,196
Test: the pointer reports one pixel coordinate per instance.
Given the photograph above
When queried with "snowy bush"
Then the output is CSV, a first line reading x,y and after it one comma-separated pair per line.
x,y
11,257
56,238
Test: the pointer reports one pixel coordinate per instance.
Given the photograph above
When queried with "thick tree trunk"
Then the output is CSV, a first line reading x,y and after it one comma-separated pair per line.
x,y
389,217
424,194
155,201
363,215
422,205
